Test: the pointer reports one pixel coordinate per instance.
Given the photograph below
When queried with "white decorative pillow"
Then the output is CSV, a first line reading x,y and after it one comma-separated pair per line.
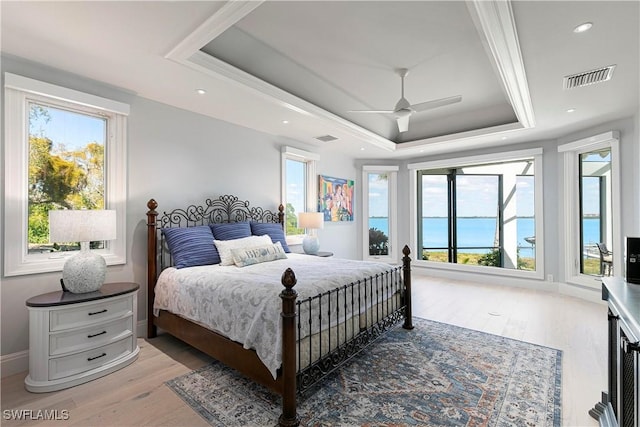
x,y
257,254
226,246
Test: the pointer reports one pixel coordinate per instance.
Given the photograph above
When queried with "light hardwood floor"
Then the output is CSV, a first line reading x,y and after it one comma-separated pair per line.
x,y
136,395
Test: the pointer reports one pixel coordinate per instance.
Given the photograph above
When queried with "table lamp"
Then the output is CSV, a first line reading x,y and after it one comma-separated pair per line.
x,y
311,221
85,271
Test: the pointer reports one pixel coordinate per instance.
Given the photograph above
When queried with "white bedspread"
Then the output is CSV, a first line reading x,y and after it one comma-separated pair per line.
x,y
244,303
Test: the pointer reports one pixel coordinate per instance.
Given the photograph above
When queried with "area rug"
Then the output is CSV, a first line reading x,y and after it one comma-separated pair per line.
x,y
433,375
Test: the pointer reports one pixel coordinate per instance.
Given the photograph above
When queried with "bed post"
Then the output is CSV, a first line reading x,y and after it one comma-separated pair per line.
x,y
281,215
152,259
289,416
406,271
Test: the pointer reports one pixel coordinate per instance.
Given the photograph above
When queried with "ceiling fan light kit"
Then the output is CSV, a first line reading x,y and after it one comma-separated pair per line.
x,y
403,109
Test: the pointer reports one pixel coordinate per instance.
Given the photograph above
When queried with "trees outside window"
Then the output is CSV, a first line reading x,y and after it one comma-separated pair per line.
x,y
66,169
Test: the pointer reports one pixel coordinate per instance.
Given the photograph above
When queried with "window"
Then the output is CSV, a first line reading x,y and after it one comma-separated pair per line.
x,y
591,207
595,209
299,189
64,150
380,225
481,212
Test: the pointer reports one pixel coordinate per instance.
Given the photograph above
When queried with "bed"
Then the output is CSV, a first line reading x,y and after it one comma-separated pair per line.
x,y
283,319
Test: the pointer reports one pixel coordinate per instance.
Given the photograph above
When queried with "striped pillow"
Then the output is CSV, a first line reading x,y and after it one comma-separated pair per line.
x,y
231,230
191,246
274,231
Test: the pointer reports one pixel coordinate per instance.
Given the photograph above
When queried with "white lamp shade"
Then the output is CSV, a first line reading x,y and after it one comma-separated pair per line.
x,y
85,271
311,220
82,225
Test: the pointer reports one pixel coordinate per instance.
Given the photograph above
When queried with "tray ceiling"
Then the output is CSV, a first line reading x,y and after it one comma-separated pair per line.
x,y
343,56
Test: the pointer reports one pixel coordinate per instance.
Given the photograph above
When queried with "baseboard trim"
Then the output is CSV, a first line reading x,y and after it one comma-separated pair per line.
x,y
141,328
14,363
588,294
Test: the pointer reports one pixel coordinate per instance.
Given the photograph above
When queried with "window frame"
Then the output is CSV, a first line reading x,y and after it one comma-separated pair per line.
x,y
536,155
392,171
571,205
18,91
311,186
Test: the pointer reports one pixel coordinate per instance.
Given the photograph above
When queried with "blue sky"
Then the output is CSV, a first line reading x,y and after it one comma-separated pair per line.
x,y
71,129
479,197
295,172
378,196
476,196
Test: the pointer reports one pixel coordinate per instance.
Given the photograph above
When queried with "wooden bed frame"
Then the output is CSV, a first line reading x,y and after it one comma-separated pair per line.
x,y
231,353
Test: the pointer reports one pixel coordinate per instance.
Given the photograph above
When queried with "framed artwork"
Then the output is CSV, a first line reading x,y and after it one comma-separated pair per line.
x,y
335,198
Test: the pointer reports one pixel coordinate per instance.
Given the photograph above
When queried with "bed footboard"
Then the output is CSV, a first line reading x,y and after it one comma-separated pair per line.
x,y
354,316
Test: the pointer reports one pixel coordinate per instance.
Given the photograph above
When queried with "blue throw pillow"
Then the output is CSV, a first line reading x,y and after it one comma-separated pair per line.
x,y
274,231
191,246
231,230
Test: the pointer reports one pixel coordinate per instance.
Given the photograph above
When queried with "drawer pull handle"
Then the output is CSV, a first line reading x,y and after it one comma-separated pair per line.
x,y
95,335
89,359
98,312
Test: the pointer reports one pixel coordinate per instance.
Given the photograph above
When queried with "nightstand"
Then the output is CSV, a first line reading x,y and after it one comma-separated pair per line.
x,y
75,338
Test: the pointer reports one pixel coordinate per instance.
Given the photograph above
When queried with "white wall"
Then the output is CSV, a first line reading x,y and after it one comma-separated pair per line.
x,y
178,158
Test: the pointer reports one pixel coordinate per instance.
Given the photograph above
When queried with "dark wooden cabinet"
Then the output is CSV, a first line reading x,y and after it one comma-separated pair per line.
x,y
619,405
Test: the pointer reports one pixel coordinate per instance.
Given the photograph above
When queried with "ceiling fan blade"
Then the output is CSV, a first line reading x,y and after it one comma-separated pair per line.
x,y
436,103
403,123
371,111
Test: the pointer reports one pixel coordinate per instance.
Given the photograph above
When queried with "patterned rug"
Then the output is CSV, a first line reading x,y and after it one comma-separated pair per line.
x,y
434,375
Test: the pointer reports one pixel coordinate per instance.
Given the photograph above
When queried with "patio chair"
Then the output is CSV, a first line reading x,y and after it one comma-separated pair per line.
x,y
606,259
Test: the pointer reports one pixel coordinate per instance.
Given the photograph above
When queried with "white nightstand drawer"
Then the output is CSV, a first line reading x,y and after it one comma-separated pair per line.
x,y
91,337
65,366
87,314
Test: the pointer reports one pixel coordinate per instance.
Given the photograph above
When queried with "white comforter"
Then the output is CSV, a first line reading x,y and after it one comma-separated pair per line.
x,y
244,303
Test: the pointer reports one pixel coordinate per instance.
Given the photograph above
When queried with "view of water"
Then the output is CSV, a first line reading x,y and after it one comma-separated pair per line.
x,y
474,232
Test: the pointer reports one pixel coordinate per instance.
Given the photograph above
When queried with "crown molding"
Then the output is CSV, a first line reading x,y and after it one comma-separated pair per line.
x,y
496,25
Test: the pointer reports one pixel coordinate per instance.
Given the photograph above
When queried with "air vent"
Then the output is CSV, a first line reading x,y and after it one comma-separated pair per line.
x,y
588,77
326,138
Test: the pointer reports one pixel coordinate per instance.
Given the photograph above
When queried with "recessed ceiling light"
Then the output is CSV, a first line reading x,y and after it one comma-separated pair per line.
x,y
503,138
361,148
571,110
201,91
583,27
286,122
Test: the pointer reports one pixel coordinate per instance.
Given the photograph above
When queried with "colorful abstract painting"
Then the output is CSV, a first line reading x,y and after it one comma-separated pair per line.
x,y
335,198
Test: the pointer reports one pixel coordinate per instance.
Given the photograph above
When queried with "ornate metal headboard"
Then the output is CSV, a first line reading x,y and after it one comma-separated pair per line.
x,y
214,211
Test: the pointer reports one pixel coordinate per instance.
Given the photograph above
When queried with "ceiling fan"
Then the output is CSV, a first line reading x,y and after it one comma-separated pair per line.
x,y
403,110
